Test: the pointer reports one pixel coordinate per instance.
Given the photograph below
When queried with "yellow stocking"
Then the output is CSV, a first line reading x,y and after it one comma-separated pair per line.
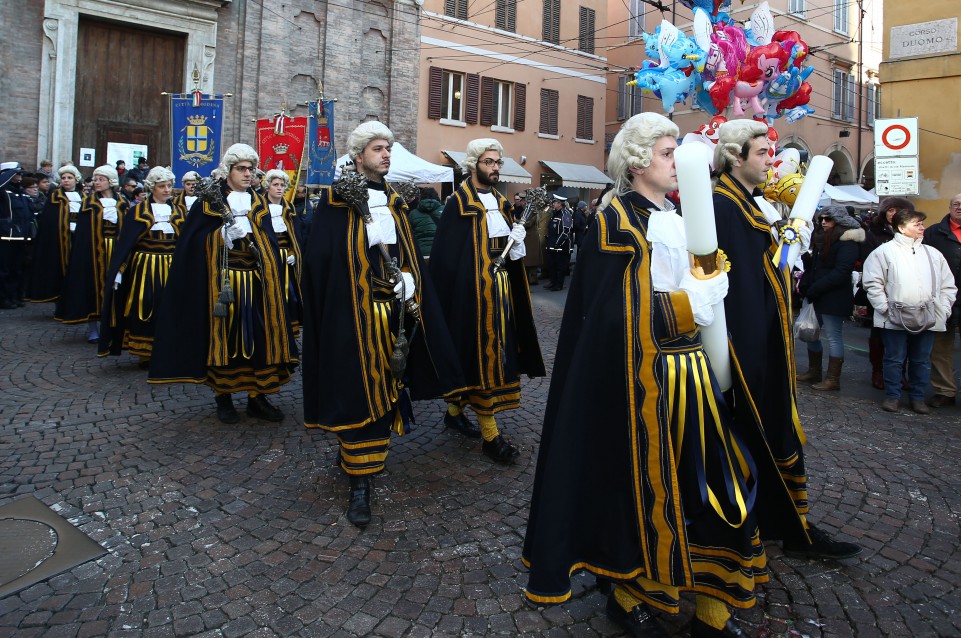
x,y
454,410
488,427
711,611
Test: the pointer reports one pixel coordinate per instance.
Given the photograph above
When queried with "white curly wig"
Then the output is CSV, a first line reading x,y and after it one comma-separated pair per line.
x,y
236,153
476,148
190,176
158,175
364,134
73,170
732,140
633,147
275,173
110,173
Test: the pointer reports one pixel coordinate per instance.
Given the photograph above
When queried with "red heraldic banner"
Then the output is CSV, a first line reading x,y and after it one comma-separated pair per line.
x,y
280,144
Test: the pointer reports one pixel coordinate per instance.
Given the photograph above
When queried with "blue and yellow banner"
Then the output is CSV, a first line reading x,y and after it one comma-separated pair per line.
x,y
321,155
196,124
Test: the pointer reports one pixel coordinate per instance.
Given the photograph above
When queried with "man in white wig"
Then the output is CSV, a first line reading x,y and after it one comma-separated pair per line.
x,y
487,308
224,321
759,317
361,281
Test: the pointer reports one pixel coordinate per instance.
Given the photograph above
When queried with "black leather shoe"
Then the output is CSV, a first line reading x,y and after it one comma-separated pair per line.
x,y
462,425
821,546
700,629
941,401
358,501
639,622
257,406
225,409
500,450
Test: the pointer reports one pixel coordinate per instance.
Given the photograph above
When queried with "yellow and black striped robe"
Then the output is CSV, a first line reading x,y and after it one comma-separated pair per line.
x,y
489,315
51,249
192,345
91,246
143,256
760,322
347,380
641,472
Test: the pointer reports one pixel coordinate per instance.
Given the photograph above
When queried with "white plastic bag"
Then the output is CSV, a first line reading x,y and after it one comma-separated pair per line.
x,y
806,328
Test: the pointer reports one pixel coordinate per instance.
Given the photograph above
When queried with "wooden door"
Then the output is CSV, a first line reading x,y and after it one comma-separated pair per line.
x,y
121,73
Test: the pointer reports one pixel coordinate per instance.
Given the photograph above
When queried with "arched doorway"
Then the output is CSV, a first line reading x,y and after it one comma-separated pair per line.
x,y
843,171
867,174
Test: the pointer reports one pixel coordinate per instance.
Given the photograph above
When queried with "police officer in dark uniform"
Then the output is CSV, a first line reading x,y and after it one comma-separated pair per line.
x,y
15,218
560,239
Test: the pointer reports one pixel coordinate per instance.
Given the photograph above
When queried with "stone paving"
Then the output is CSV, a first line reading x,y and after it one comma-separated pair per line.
x,y
239,530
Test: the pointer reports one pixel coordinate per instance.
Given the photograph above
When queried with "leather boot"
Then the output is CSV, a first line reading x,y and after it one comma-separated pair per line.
x,y
876,355
225,409
833,379
358,501
813,375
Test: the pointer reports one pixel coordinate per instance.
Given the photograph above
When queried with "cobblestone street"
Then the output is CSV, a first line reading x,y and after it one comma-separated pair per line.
x,y
239,530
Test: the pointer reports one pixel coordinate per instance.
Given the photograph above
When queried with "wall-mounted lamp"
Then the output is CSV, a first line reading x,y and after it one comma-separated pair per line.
x,y
844,132
456,95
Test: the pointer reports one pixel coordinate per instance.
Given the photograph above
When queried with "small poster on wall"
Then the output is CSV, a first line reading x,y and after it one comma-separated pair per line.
x,y
88,157
128,153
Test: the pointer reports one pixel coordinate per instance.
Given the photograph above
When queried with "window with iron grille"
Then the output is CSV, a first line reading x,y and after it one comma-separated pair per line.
x,y
585,30
552,21
585,117
549,111
456,9
841,8
505,15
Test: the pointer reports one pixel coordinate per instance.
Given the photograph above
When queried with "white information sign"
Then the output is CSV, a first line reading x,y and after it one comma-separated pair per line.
x,y
923,38
896,176
129,153
88,157
896,137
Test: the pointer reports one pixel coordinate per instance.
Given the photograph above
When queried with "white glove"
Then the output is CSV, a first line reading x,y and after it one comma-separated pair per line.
x,y
117,280
233,232
291,260
405,287
338,173
804,233
73,226
518,233
374,236
704,294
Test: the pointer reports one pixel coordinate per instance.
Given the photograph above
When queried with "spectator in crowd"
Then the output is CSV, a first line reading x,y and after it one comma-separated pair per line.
x,y
139,174
946,237
905,271
121,169
129,186
43,185
534,258
580,224
139,195
880,231
305,211
827,284
424,218
46,168
88,186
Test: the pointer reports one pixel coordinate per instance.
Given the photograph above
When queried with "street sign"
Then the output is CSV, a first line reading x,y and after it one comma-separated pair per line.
x,y
896,137
896,176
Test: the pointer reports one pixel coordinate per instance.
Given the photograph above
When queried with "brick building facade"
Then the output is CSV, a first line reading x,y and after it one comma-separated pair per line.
x,y
261,52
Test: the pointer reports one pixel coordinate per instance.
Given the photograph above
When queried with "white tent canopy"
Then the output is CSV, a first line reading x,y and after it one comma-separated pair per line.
x,y
405,166
850,194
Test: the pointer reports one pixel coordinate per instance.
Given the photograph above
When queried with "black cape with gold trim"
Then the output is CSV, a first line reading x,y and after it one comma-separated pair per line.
x,y
339,391
187,342
607,495
137,222
82,295
461,266
51,251
760,323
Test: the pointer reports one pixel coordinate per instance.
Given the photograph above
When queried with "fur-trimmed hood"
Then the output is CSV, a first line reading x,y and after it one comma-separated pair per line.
x,y
853,234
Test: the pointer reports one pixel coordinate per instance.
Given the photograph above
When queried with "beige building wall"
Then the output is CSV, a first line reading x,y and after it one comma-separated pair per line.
x,y
820,133
476,46
926,86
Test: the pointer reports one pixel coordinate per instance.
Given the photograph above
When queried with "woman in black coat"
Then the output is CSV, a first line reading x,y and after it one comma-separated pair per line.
x,y
827,284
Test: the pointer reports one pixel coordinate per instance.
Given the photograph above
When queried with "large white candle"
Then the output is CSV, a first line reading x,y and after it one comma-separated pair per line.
x,y
693,163
807,199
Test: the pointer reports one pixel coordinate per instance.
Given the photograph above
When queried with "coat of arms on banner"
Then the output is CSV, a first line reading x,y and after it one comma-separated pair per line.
x,y
196,143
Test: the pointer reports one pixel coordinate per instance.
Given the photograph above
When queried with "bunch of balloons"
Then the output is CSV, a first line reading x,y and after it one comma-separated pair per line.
x,y
726,65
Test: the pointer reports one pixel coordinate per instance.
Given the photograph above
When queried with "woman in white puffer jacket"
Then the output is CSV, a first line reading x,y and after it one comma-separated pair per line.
x,y
906,271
